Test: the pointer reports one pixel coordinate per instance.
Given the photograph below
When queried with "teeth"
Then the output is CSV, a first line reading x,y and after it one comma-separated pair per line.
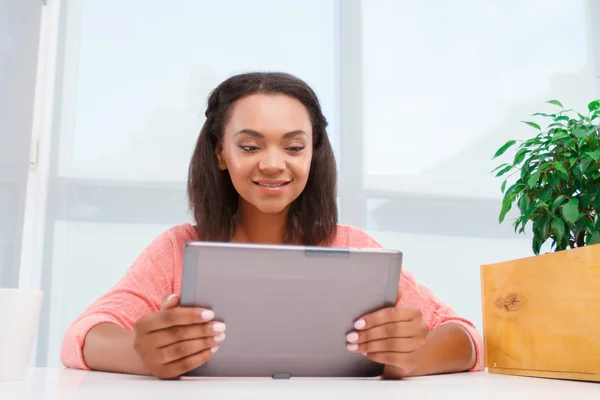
x,y
271,184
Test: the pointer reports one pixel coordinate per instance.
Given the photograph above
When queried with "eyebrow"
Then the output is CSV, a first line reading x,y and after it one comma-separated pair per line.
x,y
256,134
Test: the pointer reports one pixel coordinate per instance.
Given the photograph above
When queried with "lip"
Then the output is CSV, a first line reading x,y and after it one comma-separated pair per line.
x,y
272,186
271,182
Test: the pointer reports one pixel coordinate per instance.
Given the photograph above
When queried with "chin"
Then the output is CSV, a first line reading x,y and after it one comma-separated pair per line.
x,y
272,208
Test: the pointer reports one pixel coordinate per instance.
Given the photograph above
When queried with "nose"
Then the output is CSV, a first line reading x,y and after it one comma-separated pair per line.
x,y
272,162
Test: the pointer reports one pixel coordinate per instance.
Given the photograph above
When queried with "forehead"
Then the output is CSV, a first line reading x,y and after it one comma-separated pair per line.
x,y
269,114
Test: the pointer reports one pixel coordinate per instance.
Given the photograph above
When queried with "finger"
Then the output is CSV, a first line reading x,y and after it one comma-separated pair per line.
x,y
173,317
401,363
399,345
180,333
387,315
388,357
180,350
180,367
402,329
170,301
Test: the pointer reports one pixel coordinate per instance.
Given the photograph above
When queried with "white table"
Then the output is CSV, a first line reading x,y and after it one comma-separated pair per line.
x,y
71,384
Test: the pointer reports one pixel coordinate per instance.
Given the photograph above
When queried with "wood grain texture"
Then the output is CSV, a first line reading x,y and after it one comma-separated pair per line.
x,y
542,314
573,376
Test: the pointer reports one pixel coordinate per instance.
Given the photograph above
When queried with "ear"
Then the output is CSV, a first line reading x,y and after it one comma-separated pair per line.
x,y
219,154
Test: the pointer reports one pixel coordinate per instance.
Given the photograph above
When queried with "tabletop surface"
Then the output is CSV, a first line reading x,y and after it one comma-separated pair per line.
x,y
50,383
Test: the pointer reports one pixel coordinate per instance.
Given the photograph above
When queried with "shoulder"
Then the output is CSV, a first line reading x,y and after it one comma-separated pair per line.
x,y
352,237
163,258
182,233
172,240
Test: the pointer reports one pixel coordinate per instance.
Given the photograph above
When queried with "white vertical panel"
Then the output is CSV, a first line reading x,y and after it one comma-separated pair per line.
x,y
19,40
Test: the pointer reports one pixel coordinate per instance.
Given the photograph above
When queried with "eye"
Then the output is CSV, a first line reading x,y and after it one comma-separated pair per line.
x,y
295,149
249,149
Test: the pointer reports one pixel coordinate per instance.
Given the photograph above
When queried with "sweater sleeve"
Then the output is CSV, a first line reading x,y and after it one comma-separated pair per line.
x,y
138,293
413,294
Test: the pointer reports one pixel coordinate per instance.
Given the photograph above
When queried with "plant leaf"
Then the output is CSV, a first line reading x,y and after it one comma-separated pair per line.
x,y
584,165
498,167
504,170
594,155
506,206
578,226
558,227
520,156
561,168
537,244
556,103
509,197
546,194
560,134
545,226
572,161
594,105
570,211
532,124
557,125
559,199
584,201
505,147
539,114
579,133
524,203
561,118
594,239
533,180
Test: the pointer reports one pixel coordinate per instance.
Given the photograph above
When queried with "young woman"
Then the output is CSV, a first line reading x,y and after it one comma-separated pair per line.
x,y
263,171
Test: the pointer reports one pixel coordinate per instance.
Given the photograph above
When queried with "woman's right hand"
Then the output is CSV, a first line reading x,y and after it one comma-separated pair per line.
x,y
176,340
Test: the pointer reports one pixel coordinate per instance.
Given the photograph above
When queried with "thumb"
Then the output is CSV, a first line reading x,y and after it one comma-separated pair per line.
x,y
170,301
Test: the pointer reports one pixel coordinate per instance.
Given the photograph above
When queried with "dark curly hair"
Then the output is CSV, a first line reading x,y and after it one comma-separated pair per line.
x,y
313,216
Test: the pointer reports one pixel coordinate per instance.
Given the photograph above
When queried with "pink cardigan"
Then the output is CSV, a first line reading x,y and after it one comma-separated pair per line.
x,y
157,273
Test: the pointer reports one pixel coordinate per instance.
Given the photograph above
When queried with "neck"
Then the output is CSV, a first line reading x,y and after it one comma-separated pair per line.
x,y
254,226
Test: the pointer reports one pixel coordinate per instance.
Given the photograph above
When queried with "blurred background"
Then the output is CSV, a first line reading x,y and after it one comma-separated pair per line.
x,y
101,102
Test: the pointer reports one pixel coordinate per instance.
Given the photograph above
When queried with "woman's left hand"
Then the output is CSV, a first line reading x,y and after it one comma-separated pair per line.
x,y
392,336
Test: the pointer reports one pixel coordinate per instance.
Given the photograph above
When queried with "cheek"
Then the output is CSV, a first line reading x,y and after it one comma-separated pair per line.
x,y
238,167
302,166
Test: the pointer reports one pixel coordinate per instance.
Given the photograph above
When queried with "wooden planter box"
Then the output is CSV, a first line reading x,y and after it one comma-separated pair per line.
x,y
541,315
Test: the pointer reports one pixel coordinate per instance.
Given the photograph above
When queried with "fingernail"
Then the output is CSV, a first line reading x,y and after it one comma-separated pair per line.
x,y
219,338
352,347
166,300
364,354
218,327
352,337
214,349
360,324
207,315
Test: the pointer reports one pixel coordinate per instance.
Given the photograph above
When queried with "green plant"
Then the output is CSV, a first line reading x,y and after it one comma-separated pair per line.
x,y
558,179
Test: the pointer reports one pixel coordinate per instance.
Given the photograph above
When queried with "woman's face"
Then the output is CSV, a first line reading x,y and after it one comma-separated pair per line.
x,y
267,149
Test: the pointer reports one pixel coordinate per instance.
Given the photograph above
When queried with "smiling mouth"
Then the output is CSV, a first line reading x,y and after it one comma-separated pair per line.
x,y
271,185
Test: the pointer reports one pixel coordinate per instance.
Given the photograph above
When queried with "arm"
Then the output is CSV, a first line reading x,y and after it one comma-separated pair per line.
x,y
447,349
452,344
102,337
109,347
446,327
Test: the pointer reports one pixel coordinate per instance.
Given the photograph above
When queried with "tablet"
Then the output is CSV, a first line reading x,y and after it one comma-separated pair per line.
x,y
288,309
